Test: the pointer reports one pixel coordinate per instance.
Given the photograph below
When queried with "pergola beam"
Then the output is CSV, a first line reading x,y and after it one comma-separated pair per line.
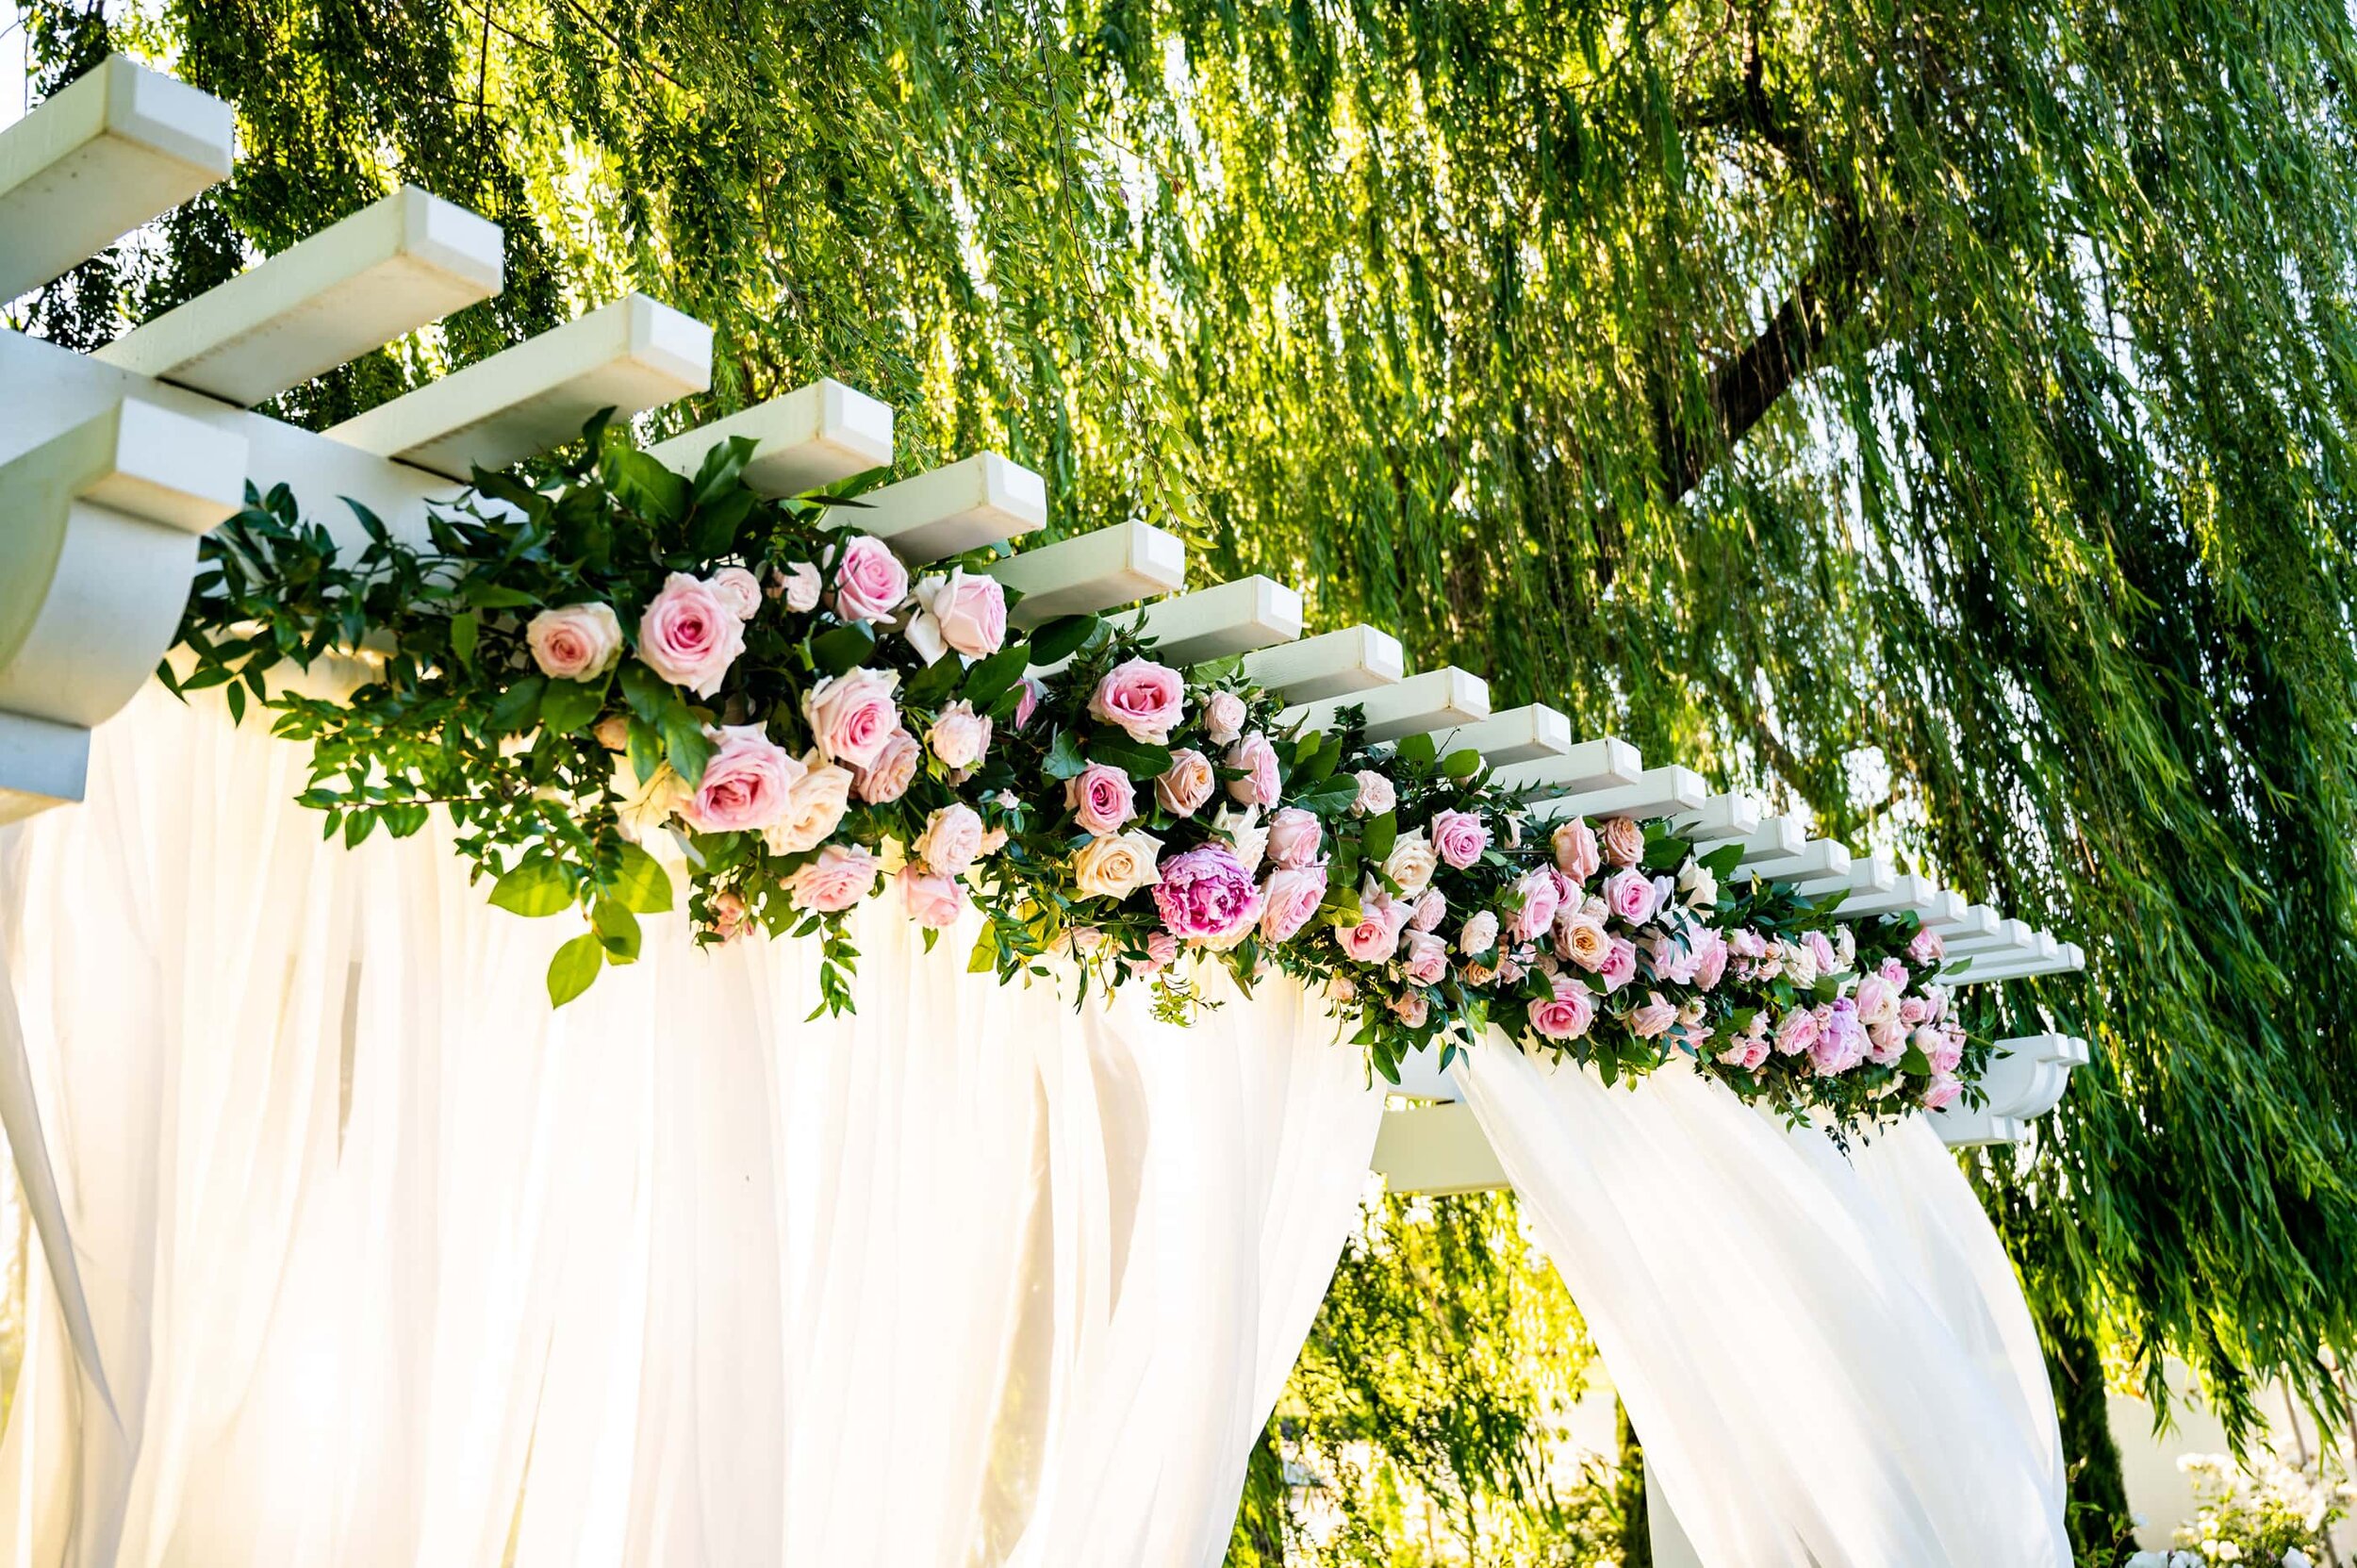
x,y
803,440
959,506
1333,664
1103,570
1434,699
1519,735
1217,622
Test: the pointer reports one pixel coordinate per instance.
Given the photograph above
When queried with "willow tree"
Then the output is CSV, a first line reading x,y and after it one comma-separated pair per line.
x,y
1937,416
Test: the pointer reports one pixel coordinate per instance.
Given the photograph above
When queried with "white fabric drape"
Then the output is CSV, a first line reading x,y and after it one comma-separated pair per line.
x,y
1799,1401
392,1265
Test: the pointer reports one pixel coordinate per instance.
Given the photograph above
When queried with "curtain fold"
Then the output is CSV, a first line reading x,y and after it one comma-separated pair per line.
x,y
1799,1401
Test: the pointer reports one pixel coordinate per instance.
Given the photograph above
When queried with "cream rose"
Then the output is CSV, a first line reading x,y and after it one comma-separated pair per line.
x,y
951,840
1117,865
575,642
960,736
813,807
738,588
1411,862
1186,783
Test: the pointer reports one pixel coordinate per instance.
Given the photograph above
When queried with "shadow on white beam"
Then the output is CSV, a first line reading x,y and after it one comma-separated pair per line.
x,y
1217,622
99,159
1436,1148
1906,894
1719,819
1436,698
631,356
2006,938
1655,792
1818,860
1101,570
351,288
949,510
1586,766
1332,664
1519,735
807,439
1957,923
1875,873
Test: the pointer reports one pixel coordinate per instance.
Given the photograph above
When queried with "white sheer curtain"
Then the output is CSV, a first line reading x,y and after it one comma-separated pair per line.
x,y
1799,1401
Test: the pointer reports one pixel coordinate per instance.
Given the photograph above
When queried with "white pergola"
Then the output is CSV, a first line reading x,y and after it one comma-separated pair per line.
x,y
115,462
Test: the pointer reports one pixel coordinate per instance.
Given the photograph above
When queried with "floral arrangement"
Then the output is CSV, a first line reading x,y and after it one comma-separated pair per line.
x,y
570,669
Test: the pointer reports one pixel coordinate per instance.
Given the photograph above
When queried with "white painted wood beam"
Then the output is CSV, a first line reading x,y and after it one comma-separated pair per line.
x,y
1906,893
1589,765
806,439
1655,792
42,763
94,161
1960,1127
351,288
1217,622
1718,819
954,508
2009,937
1436,699
1437,1149
1875,873
633,355
1819,858
1519,735
1777,839
1332,664
1965,925
2066,958
1101,570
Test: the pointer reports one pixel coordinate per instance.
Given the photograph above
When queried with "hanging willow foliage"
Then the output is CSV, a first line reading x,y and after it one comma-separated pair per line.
x,y
1822,392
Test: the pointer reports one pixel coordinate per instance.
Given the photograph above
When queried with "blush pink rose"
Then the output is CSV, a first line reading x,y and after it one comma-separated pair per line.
x,y
1101,798
797,583
852,716
1582,937
1289,897
1206,897
1820,949
1943,1093
889,777
1031,689
1651,1018
1620,964
1294,837
960,736
1710,959
814,808
575,642
959,614
1162,948
1540,899
1257,759
738,590
730,918
1950,1051
841,875
1430,910
1376,795
932,899
1459,836
1375,937
1796,1031
1877,1002
1630,895
745,785
1424,958
1223,717
688,637
869,580
952,839
1479,935
1412,1009
1575,853
1624,840
1566,1014
1141,699
1926,948
1186,783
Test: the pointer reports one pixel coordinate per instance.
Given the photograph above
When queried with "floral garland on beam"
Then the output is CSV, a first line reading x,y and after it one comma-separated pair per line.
x,y
571,670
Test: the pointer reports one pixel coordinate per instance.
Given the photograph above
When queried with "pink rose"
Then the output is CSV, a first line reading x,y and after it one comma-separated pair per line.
x,y
852,716
951,840
869,580
1206,896
1376,795
1950,1051
1375,937
813,807
1431,909
738,589
1894,972
1186,783
958,737
1710,959
1620,964
1540,899
1820,949
1294,837
1580,937
745,785
1479,935
1224,716
1913,1011
576,642
1031,688
932,899
1412,1009
1289,898
1670,958
688,637
730,918
1143,699
1926,949
1162,948
1459,836
1424,959
1747,943
1887,1042
797,583
1624,841
1575,853
1651,1018
1630,895
1796,1032
1101,798
895,767
1877,1002
959,614
1566,1014
1257,758
841,875
1943,1093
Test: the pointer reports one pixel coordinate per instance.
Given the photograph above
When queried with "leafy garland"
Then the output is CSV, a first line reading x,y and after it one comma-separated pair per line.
x,y
572,669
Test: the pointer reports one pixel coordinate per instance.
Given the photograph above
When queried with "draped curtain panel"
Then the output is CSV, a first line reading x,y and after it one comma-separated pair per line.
x,y
1801,1398
390,1264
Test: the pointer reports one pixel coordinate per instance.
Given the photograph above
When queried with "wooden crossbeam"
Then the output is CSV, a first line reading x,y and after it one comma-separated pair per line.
x,y
349,289
1718,819
1101,570
94,161
1419,704
1906,892
1967,924
1589,765
1817,859
1655,792
1333,664
954,508
807,438
1875,873
633,355
1215,622
1518,734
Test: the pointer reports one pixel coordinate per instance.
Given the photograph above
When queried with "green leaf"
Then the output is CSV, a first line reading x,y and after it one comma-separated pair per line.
x,y
1916,1061
1063,757
935,681
984,957
1306,747
1461,764
646,748
641,883
518,707
487,595
463,632
566,705
647,693
537,887
1377,838
715,526
616,930
1328,797
988,679
643,484
1140,759
1063,637
684,743
1422,748
845,647
575,967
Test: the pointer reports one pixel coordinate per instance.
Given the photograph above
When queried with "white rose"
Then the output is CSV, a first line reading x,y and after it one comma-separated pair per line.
x,y
1376,795
1245,835
1114,866
1700,888
813,807
1411,862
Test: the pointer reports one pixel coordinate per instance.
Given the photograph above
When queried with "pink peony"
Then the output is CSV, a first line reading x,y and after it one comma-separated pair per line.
x,y
951,840
1257,759
959,614
738,590
841,875
1032,688
1459,836
1620,964
1424,959
1141,698
1840,1043
852,716
960,736
1575,853
1541,898
1100,797
1224,716
1294,837
1624,841
1479,935
1926,949
895,767
1289,898
1186,783
1566,1014
1652,1017
1376,795
796,583
1630,895
1943,1093
576,642
1206,896
688,637
745,785
869,580
933,901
